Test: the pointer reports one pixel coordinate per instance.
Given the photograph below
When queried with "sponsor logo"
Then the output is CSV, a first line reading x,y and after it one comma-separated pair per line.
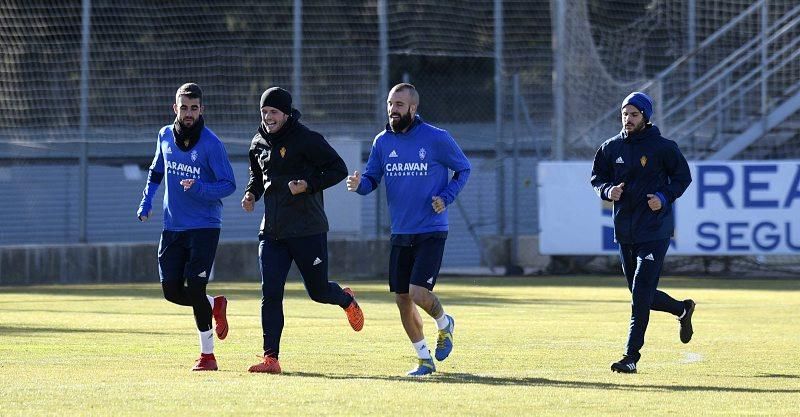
x,y
650,257
430,280
317,261
619,160
181,168
393,154
403,169
202,274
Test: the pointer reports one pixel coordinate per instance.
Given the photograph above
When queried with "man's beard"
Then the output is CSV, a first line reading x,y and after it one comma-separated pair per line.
x,y
637,128
401,124
185,126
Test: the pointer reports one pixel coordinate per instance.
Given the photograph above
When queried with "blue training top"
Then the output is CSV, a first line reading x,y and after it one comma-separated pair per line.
x,y
207,163
416,164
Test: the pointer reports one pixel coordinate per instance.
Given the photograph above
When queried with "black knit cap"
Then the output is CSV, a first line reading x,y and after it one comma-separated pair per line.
x,y
278,98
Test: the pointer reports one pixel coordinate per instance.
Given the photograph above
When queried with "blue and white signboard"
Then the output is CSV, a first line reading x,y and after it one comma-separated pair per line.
x,y
731,208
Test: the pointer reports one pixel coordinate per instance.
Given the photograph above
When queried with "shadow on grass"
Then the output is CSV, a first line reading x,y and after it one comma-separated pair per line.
x,y
27,331
778,376
377,291
461,378
87,293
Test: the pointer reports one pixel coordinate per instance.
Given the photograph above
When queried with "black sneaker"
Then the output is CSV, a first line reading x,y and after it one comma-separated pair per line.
x,y
626,365
686,321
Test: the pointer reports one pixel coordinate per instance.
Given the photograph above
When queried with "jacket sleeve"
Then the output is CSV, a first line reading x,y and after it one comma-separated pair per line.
x,y
329,167
154,178
255,185
373,172
225,182
602,174
456,161
677,170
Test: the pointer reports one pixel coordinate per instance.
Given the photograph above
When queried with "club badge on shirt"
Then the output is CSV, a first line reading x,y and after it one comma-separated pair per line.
x,y
643,160
283,152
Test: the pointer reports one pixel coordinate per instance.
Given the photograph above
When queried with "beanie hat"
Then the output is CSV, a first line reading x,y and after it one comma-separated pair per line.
x,y
278,98
641,101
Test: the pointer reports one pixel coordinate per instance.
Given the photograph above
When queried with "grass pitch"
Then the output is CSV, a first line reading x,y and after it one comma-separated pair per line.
x,y
523,346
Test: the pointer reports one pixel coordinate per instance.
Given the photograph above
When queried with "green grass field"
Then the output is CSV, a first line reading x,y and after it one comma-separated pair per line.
x,y
523,346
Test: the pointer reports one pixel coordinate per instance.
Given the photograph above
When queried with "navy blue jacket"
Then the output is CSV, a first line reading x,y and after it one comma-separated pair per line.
x,y
648,164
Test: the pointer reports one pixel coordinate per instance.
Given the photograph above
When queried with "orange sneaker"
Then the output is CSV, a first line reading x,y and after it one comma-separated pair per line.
x,y
219,313
354,314
207,362
268,365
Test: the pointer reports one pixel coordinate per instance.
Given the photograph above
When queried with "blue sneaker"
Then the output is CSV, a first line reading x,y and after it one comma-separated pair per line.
x,y
444,344
425,367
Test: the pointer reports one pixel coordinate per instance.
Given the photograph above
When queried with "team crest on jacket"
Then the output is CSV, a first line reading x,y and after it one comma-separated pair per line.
x,y
283,152
194,155
643,160
422,153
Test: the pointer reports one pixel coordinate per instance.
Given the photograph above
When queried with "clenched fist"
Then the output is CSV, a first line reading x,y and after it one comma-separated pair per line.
x,y
353,181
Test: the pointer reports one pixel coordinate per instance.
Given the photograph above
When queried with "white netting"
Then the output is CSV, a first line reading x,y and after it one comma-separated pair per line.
x,y
706,96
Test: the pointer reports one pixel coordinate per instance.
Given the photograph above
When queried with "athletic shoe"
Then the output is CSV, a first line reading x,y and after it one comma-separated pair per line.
x,y
207,362
626,365
424,367
354,314
268,365
219,312
444,344
686,321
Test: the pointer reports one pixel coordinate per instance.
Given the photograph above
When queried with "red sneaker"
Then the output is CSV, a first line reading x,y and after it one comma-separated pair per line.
x,y
219,313
268,365
207,362
354,314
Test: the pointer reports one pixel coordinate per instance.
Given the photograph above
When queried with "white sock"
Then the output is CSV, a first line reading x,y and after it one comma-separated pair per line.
x,y
207,341
210,300
422,350
442,322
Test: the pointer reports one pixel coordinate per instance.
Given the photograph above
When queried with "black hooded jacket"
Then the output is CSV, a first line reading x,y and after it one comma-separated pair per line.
x,y
648,164
293,153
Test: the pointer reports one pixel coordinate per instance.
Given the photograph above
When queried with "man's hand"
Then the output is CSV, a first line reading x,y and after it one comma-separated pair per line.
x,y
616,192
353,181
654,202
248,201
187,184
143,217
298,186
438,204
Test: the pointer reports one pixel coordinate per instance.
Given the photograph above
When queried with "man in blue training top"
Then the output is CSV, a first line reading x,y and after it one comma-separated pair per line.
x,y
643,173
415,157
198,175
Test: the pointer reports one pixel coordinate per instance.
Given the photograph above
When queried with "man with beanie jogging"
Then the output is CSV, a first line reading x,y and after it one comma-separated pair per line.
x,y
642,174
416,157
198,176
290,166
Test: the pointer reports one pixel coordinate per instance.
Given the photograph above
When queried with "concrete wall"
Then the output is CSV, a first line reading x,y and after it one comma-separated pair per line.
x,y
136,262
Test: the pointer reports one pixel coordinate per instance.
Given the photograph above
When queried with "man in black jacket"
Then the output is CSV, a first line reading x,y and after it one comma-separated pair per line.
x,y
643,173
290,166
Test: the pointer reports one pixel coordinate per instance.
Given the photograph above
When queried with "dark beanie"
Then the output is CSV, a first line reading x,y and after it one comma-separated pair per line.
x,y
278,98
641,101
